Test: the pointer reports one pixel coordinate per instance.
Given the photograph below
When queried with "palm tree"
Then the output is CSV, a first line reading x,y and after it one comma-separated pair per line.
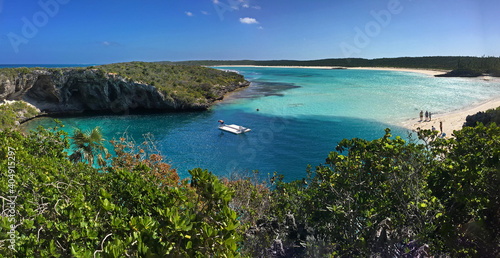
x,y
89,144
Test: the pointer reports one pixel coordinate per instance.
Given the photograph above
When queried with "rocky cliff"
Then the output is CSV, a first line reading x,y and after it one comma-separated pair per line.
x,y
72,90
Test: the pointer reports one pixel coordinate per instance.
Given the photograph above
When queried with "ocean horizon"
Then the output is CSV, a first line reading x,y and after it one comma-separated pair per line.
x,y
297,117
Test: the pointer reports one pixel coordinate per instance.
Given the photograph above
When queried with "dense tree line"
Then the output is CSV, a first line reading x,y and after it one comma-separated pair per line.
x,y
482,64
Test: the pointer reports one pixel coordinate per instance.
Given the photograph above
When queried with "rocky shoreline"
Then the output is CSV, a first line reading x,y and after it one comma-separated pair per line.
x,y
71,91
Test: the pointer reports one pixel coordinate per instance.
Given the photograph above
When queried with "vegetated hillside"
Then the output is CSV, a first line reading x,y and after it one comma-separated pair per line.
x,y
118,87
14,112
483,64
188,81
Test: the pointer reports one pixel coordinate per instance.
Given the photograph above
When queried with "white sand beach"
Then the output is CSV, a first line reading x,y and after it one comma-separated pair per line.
x,y
451,121
413,70
282,66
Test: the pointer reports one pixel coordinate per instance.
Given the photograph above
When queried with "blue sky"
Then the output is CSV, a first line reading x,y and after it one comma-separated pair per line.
x,y
107,31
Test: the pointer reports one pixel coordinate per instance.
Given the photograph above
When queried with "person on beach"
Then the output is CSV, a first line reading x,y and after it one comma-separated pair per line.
x,y
426,115
430,116
421,115
441,126
433,128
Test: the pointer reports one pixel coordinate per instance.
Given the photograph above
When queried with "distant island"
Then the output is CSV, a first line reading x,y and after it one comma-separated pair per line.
x,y
118,87
461,66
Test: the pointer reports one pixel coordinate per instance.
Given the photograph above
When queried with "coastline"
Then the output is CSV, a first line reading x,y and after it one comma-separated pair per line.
x,y
453,120
429,72
412,70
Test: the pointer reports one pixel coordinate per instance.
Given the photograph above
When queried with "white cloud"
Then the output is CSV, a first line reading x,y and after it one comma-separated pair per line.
x,y
260,28
205,13
215,1
109,43
246,6
256,7
248,20
189,13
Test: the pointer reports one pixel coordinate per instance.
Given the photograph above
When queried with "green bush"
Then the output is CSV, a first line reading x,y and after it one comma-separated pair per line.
x,y
13,112
70,209
7,117
466,180
387,197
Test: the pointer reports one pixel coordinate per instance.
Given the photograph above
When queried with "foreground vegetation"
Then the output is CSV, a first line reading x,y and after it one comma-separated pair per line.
x,y
386,197
135,207
11,114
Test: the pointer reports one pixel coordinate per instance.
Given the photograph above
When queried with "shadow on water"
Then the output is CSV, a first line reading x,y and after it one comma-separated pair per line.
x,y
258,89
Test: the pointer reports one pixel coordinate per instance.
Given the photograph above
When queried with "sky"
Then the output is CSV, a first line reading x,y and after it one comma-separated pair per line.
x,y
109,31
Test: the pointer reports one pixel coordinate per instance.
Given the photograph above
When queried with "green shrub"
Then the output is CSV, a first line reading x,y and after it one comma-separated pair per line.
x,y
387,197
7,117
68,209
11,113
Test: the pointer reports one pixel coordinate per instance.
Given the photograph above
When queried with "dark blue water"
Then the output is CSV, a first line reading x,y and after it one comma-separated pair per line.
x,y
189,140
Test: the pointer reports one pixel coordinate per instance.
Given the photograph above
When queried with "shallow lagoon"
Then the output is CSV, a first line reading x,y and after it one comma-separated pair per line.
x,y
303,114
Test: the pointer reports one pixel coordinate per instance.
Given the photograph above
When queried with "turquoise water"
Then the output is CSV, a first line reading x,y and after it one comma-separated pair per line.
x,y
303,114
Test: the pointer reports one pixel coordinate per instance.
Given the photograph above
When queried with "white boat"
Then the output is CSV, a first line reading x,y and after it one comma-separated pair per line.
x,y
236,129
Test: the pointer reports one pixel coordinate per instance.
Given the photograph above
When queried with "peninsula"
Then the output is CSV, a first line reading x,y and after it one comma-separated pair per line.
x,y
118,87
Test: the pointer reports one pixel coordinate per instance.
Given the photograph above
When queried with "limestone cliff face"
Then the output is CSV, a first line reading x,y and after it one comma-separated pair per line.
x,y
77,90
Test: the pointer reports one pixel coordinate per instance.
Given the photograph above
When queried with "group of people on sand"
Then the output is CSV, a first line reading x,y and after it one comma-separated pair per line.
x,y
428,115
